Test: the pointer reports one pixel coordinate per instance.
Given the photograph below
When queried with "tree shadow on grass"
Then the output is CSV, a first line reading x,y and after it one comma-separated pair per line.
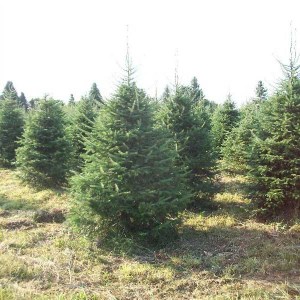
x,y
235,252
15,204
242,252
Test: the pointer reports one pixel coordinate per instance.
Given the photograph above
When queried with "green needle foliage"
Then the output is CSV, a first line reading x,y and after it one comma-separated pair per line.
x,y
166,94
71,100
11,128
23,101
276,155
44,150
130,181
224,119
189,123
195,90
261,91
236,149
80,129
10,92
95,95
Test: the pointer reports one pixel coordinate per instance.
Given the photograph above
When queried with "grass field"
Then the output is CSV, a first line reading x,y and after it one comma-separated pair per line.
x,y
221,254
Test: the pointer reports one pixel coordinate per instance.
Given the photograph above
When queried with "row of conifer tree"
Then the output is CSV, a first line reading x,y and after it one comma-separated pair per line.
x,y
133,162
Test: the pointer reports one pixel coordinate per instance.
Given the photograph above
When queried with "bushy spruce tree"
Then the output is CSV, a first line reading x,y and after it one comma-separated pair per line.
x,y
33,103
10,92
23,101
237,147
224,119
82,122
130,181
71,100
276,151
166,94
42,158
95,95
196,92
189,122
11,128
261,91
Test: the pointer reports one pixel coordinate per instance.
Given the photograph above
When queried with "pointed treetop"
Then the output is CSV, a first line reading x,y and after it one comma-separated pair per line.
x,y
196,91
10,92
230,107
71,100
194,83
23,101
166,94
229,98
95,95
291,70
261,91
128,69
176,70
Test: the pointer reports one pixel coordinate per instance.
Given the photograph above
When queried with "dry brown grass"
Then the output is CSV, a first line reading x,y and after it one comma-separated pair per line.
x,y
220,255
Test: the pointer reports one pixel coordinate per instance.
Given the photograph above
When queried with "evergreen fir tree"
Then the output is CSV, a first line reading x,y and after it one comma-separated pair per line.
x,y
236,149
190,125
33,103
224,119
95,96
71,100
196,92
23,101
276,151
129,179
9,92
80,128
261,91
166,94
42,157
11,128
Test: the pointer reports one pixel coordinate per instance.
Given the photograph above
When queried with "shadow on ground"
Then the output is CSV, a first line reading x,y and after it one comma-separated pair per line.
x,y
15,204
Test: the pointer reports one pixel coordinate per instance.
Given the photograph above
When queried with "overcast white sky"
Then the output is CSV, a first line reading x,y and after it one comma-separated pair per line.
x,y
61,47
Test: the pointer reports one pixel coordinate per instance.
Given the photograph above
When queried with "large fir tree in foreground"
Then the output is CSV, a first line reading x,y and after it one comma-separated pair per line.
x,y
44,149
276,155
11,128
130,181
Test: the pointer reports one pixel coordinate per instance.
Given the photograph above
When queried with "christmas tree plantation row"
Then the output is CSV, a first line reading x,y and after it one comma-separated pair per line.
x,y
133,163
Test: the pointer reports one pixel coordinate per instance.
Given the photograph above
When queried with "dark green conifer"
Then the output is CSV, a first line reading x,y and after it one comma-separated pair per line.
x,y
23,101
95,96
10,92
130,180
276,152
189,123
42,157
261,91
237,147
71,100
166,94
224,119
80,129
196,92
11,128
33,103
